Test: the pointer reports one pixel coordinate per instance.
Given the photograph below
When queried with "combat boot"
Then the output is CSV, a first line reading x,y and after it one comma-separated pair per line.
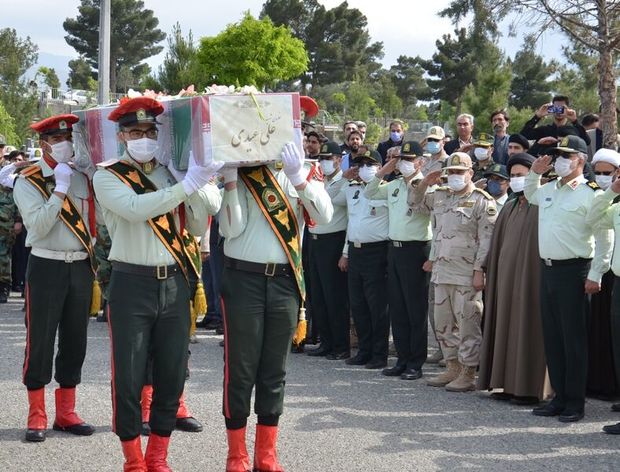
x,y
66,417
134,460
37,418
465,381
157,453
238,459
265,456
452,372
4,293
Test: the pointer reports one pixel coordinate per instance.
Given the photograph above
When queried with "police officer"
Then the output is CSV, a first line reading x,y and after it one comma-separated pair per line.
x,y
366,262
410,234
464,216
498,182
149,304
575,254
58,211
262,288
330,305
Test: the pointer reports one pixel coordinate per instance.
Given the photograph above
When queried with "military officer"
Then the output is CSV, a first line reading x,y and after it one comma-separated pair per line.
x,y
575,254
262,288
365,259
329,301
483,152
149,291
410,234
464,216
498,182
58,210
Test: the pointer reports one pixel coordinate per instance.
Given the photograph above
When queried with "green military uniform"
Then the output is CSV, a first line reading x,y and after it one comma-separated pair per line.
x,y
484,141
8,217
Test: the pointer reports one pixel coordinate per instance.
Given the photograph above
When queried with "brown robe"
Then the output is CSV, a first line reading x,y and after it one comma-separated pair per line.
x,y
512,354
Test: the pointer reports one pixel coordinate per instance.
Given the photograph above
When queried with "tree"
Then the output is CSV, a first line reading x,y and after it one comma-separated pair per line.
x,y
134,34
408,77
80,75
48,76
531,84
17,55
7,127
176,71
251,52
592,23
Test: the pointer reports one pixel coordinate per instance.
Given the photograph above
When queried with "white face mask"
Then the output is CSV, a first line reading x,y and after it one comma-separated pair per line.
x,y
456,182
482,154
142,150
62,151
367,173
563,166
406,168
517,184
604,181
327,166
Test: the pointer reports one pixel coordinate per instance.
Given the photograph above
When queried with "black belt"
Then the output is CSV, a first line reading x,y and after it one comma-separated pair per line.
x,y
564,262
337,234
269,269
407,243
160,272
365,245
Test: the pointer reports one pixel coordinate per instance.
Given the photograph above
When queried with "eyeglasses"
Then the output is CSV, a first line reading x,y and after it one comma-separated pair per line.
x,y
150,133
603,173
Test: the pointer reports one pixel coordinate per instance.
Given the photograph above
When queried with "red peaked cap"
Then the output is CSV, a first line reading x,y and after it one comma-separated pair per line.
x,y
55,124
137,110
309,106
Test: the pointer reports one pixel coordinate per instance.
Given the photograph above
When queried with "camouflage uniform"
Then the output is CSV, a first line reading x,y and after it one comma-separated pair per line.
x,y
8,216
102,249
464,225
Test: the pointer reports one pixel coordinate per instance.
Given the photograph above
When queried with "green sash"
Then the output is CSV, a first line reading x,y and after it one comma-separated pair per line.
x,y
69,214
277,210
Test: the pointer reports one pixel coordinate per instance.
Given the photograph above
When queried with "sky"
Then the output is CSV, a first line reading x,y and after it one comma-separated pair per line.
x,y
407,27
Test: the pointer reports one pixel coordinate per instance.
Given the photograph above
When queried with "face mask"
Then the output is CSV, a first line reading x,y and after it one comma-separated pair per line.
x,y
494,188
482,154
517,184
327,167
395,136
142,150
406,168
456,182
367,173
563,166
604,181
433,147
62,151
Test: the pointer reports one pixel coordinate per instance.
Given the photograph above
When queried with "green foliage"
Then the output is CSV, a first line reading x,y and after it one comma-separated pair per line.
x,y
17,55
48,76
251,52
518,118
81,75
176,72
374,134
7,127
531,83
408,78
134,34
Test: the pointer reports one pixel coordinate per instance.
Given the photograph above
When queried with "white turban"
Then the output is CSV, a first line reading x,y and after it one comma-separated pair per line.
x,y
607,155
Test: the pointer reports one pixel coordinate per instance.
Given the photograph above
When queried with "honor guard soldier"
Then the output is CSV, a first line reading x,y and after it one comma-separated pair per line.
x,y
58,210
575,253
410,235
329,301
262,287
366,262
464,217
149,291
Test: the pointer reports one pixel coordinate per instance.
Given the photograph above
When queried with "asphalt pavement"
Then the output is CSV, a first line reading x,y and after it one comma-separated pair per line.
x,y
337,418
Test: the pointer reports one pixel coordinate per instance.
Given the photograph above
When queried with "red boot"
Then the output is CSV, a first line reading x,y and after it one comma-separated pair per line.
x,y
185,421
265,456
134,461
156,453
37,419
66,417
145,403
238,459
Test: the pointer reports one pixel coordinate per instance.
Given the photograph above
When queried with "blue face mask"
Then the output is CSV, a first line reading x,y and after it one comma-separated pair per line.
x,y
433,147
395,136
494,188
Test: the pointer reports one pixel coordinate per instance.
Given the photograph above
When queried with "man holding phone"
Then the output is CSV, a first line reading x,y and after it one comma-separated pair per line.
x,y
562,116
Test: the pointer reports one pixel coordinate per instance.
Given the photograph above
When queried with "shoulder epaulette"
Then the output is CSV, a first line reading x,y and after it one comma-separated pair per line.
x,y
29,170
484,193
594,186
107,163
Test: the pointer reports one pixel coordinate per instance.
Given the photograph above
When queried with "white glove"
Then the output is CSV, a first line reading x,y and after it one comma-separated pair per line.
x,y
8,176
293,164
62,174
199,176
229,174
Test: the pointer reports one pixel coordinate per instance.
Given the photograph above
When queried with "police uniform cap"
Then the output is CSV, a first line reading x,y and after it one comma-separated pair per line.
x,y
519,139
606,155
436,132
498,170
484,140
522,158
55,124
136,111
411,149
569,144
309,106
330,148
459,161
368,155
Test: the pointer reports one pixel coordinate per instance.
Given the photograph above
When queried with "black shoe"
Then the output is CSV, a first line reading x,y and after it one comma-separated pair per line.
x,y
570,416
338,356
189,425
615,407
501,396
524,400
219,330
146,429
612,428
82,429
221,343
320,351
550,409
411,374
212,324
394,371
35,435
376,364
103,317
357,360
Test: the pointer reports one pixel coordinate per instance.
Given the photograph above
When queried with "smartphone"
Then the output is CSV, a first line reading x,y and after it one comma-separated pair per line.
x,y
557,109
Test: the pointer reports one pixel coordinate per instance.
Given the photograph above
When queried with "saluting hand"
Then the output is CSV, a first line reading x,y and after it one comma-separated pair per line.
x,y
433,178
351,173
615,186
388,168
542,165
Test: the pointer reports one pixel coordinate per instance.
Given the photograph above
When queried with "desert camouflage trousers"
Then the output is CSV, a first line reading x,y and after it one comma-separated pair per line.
x,y
458,316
